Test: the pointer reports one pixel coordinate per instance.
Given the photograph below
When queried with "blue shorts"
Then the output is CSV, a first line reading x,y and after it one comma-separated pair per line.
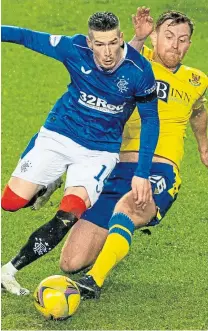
x,y
165,182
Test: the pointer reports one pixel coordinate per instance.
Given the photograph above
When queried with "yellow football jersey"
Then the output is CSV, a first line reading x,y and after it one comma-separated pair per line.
x,y
178,94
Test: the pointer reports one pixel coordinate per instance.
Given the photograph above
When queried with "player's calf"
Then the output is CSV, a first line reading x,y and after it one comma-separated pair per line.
x,y
47,237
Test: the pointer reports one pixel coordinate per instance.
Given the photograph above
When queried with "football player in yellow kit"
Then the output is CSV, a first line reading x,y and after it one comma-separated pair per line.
x,y
181,92
181,97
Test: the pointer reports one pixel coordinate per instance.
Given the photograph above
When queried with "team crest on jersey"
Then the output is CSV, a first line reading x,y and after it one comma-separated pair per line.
x,y
122,84
195,80
54,40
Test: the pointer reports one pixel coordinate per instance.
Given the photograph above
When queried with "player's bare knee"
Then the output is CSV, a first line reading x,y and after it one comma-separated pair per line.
x,y
79,191
63,264
70,264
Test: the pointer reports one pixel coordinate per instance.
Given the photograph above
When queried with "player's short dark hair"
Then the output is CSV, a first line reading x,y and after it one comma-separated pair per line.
x,y
176,17
103,21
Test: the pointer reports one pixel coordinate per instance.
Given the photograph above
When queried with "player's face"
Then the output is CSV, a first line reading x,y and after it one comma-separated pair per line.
x,y
106,47
171,43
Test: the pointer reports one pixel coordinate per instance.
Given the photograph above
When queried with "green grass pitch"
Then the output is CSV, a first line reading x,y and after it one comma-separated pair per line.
x,y
162,285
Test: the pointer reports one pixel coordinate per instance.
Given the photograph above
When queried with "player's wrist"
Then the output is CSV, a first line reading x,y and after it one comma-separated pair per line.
x,y
139,39
203,148
141,173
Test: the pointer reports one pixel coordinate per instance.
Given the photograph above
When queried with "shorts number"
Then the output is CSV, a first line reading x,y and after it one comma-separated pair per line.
x,y
99,176
161,185
159,181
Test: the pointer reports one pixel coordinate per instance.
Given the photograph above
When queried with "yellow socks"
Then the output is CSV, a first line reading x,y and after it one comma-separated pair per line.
x,y
116,247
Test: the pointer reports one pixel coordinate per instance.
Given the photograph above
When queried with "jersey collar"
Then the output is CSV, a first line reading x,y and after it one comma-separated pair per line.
x,y
177,68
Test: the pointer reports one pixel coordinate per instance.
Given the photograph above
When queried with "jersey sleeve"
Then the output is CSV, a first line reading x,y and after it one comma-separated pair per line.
x,y
202,91
55,46
148,136
201,101
146,85
147,104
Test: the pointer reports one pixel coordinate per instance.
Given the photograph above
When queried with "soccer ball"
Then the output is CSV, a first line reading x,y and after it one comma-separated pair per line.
x,y
57,297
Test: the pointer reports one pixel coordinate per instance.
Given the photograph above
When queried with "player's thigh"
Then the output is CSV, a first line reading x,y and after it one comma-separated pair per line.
x,y
140,217
43,163
82,245
24,188
165,183
90,172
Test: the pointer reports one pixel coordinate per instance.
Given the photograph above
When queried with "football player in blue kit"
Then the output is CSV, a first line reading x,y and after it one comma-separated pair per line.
x,y
82,133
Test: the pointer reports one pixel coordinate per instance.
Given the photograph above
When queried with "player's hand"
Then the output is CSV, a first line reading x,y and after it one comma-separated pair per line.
x,y
142,191
143,23
204,156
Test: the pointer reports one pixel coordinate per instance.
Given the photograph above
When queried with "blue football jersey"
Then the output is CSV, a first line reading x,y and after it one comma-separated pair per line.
x,y
97,103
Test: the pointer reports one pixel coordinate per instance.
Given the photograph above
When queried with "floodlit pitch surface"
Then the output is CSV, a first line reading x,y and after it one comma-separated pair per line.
x,y
163,282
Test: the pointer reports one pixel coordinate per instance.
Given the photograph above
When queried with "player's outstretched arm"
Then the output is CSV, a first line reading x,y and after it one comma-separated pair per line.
x,y
143,26
57,47
199,121
141,187
147,103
